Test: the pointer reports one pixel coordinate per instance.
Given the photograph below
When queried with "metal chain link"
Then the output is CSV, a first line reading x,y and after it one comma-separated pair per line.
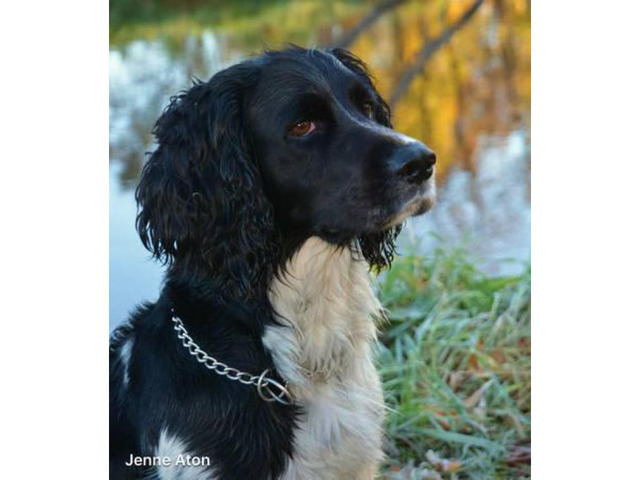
x,y
264,385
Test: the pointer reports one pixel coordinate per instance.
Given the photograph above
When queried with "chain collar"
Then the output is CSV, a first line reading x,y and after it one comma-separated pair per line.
x,y
268,389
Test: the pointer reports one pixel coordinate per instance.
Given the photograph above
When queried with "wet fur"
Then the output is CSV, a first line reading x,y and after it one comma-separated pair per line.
x,y
323,350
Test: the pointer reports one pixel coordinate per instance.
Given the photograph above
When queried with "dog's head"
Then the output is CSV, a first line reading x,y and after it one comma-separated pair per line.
x,y
331,164
274,150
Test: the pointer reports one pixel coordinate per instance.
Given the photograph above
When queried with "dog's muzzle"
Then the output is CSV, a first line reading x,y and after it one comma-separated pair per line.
x,y
413,162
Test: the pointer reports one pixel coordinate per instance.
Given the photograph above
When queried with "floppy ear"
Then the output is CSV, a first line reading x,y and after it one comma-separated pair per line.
x,y
200,198
378,249
357,66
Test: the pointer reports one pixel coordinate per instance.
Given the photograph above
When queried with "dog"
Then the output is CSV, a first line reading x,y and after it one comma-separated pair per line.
x,y
274,190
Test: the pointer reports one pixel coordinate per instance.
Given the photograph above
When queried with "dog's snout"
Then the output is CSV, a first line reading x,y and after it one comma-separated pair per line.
x,y
413,162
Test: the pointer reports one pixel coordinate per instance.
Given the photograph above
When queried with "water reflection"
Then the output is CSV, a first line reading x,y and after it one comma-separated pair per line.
x,y
142,77
471,104
487,210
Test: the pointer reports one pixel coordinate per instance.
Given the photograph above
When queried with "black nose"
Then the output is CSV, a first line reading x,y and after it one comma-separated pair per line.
x,y
414,162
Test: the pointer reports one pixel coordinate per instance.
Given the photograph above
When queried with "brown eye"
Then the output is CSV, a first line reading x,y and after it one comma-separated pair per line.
x,y
301,129
367,109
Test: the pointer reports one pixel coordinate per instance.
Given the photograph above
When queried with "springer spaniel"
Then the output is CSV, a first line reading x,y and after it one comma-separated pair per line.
x,y
275,188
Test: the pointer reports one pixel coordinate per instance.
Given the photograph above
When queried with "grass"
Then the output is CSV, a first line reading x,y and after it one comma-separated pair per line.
x,y
455,360
251,22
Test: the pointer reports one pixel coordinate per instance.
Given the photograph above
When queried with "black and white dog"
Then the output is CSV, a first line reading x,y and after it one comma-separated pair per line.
x,y
275,187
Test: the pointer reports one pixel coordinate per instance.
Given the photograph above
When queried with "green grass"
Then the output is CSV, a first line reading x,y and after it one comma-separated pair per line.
x,y
455,361
252,22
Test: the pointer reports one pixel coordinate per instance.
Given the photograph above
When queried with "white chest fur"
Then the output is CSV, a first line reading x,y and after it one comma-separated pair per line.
x,y
324,352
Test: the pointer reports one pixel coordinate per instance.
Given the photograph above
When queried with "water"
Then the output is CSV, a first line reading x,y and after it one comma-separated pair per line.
x,y
471,104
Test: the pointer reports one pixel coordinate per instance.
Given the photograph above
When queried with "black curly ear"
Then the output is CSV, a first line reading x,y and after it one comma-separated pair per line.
x,y
357,66
200,198
378,249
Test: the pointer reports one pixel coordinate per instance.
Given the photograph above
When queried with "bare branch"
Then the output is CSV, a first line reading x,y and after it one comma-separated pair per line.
x,y
429,48
349,37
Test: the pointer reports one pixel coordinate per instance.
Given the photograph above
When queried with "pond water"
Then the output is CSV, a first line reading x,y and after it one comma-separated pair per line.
x,y
470,103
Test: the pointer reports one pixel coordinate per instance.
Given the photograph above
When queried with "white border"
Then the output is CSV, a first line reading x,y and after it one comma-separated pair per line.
x,y
54,242
586,178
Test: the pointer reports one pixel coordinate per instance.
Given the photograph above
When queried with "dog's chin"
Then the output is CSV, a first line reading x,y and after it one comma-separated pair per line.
x,y
413,208
417,205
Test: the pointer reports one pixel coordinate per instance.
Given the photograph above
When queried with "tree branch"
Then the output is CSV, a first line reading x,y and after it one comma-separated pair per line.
x,y
429,48
349,37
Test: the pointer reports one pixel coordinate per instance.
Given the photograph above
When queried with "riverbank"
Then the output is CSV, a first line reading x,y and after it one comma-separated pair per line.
x,y
455,358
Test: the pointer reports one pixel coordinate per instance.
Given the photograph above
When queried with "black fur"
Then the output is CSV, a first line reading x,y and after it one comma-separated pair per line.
x,y
226,198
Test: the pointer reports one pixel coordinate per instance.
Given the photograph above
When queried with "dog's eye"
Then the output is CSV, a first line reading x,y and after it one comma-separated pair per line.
x,y
302,129
367,109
